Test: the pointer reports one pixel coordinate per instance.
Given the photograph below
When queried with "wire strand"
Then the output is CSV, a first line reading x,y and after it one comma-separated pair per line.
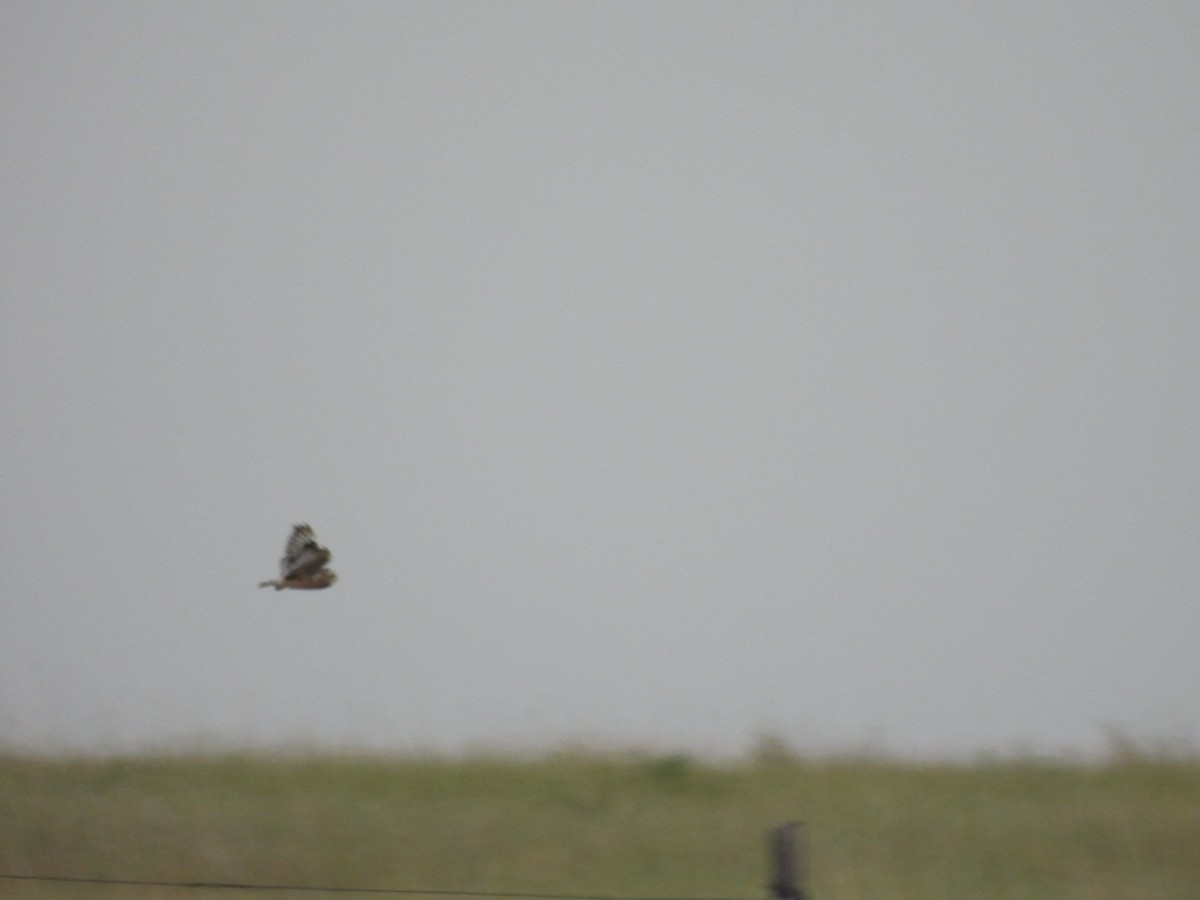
x,y
429,892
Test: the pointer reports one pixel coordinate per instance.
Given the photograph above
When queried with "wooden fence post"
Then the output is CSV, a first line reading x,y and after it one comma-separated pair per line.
x,y
786,844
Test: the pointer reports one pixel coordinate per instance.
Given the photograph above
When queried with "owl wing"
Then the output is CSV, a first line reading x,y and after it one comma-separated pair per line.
x,y
303,556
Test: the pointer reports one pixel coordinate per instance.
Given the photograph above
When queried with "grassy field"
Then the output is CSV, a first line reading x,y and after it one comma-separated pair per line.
x,y
663,826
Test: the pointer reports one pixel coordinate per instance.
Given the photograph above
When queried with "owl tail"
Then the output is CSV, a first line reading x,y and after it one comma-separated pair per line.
x,y
275,584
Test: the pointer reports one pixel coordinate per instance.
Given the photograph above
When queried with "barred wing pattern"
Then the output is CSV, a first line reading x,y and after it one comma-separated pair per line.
x,y
303,566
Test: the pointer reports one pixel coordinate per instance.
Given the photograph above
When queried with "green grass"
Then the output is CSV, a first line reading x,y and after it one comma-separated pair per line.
x,y
614,825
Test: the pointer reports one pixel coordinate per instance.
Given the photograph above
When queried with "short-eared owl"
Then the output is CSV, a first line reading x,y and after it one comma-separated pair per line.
x,y
303,563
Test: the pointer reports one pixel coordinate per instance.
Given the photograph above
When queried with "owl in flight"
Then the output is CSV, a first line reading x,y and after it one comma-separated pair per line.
x,y
303,563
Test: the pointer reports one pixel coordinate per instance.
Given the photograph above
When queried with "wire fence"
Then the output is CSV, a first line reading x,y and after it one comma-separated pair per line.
x,y
785,850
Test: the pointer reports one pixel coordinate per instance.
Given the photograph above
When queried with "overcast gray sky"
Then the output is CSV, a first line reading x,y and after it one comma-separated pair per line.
x,y
661,375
